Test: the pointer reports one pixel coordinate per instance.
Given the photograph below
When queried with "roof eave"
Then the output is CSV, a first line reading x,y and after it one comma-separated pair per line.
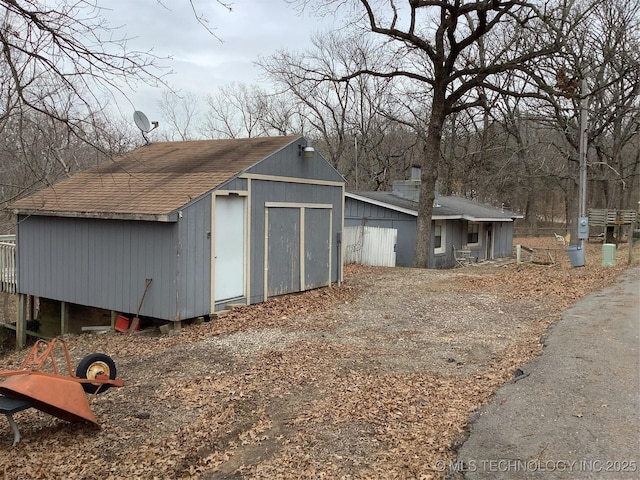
x,y
434,214
381,204
148,217
471,218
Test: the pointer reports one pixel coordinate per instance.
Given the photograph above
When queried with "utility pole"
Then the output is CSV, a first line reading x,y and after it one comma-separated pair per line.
x,y
582,197
355,142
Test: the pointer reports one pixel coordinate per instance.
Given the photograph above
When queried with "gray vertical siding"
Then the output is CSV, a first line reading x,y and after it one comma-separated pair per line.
x,y
99,263
406,241
406,227
287,163
357,210
376,216
193,293
283,275
263,191
235,184
317,254
452,236
503,238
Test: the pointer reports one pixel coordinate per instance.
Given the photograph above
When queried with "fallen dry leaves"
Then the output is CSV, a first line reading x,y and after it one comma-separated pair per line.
x,y
376,378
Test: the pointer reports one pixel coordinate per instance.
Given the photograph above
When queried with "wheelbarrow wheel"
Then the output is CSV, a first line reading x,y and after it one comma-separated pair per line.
x,y
93,365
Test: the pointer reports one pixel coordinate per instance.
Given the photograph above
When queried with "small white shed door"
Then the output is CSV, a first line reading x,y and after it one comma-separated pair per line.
x,y
229,247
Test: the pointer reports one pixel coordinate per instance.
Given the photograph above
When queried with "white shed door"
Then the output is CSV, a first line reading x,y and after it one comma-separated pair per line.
x,y
229,247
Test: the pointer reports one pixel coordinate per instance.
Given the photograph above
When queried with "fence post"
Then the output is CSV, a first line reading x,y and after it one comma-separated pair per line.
x,y
21,323
64,318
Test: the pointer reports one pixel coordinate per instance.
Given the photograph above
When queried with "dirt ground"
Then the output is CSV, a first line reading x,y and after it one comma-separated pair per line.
x,y
375,378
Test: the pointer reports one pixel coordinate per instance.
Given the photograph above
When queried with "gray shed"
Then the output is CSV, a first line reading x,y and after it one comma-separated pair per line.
x,y
210,222
457,223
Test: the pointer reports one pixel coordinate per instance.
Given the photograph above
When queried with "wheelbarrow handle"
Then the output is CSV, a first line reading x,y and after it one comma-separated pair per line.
x,y
103,379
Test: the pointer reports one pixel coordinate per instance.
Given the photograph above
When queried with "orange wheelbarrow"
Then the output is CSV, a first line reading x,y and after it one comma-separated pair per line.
x,y
63,396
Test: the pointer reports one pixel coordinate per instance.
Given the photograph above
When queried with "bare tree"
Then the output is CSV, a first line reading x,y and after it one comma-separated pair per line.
x,y
180,112
445,54
541,146
36,151
68,52
341,117
615,103
532,168
60,64
232,112
604,51
239,110
325,105
202,20
278,114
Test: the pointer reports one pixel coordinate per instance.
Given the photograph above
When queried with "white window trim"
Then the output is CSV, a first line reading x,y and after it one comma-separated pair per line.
x,y
480,230
443,242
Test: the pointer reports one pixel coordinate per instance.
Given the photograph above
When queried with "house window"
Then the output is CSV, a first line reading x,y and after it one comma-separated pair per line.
x,y
473,234
438,237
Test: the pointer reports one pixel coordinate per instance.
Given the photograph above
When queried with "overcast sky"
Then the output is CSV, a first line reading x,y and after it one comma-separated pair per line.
x,y
201,62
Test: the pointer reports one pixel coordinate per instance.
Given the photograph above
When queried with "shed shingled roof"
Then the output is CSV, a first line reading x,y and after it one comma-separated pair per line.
x,y
151,181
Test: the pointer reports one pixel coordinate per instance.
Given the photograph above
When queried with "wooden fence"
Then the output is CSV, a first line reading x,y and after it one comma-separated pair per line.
x,y
607,218
8,264
370,246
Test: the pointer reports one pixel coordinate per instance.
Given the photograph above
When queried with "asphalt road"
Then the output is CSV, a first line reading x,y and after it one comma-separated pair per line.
x,y
575,411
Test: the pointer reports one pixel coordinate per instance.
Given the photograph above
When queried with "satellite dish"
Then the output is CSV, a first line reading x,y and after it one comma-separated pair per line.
x,y
141,120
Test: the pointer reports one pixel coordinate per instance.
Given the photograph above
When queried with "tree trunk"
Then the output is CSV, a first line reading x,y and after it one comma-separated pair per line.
x,y
429,175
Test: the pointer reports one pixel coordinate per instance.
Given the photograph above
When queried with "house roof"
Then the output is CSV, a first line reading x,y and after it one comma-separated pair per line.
x,y
152,181
448,207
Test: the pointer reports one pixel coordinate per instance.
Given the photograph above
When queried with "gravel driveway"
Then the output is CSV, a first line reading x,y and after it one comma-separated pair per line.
x,y
375,378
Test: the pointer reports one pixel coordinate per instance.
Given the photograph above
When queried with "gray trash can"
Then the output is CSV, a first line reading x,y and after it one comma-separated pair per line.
x,y
576,255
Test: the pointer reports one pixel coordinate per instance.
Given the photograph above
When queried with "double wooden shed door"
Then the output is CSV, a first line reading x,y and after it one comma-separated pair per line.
x,y
297,247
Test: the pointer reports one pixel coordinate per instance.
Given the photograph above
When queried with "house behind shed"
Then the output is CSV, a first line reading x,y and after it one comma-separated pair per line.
x,y
208,223
457,223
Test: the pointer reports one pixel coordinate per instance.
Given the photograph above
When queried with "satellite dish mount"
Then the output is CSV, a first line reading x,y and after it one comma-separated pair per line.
x,y
142,122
